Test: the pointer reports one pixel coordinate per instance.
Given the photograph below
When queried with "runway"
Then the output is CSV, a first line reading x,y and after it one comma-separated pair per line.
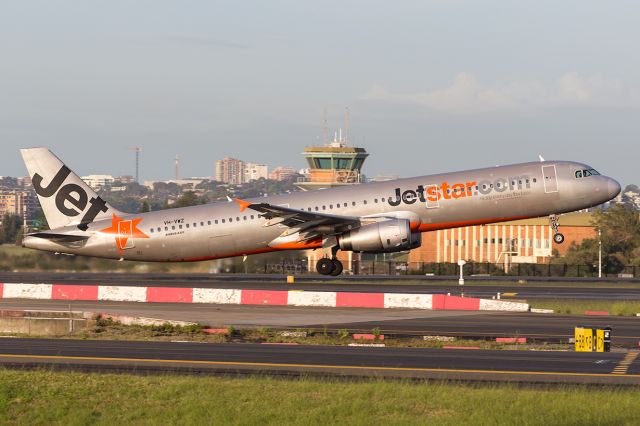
x,y
412,284
416,363
404,322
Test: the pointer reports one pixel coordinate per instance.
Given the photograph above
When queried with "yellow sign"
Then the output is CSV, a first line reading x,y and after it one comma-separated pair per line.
x,y
599,340
584,339
592,339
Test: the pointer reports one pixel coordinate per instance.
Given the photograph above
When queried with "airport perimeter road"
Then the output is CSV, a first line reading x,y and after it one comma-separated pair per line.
x,y
518,366
565,290
547,327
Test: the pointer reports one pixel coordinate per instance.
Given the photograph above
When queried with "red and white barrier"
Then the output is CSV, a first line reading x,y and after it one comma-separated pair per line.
x,y
254,297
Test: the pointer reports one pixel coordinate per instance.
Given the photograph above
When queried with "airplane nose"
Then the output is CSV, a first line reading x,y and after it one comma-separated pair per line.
x,y
613,188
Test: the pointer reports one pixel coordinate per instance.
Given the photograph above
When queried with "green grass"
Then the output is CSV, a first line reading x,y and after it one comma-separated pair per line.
x,y
578,306
71,398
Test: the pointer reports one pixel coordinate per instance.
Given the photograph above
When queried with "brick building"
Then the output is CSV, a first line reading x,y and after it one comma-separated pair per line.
x,y
519,241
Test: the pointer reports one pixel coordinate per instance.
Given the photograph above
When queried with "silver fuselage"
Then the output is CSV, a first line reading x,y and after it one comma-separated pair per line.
x,y
431,202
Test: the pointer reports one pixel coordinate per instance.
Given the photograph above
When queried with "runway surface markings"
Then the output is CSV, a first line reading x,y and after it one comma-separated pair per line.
x,y
623,366
312,366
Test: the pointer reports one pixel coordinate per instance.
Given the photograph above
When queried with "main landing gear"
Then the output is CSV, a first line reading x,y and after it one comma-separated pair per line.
x,y
333,266
558,238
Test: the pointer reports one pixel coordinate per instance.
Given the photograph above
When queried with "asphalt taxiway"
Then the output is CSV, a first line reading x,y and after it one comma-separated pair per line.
x,y
415,363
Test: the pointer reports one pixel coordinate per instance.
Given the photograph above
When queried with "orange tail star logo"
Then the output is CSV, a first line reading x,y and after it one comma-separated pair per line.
x,y
124,231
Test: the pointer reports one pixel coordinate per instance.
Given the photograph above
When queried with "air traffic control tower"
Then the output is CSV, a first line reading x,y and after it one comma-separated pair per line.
x,y
333,164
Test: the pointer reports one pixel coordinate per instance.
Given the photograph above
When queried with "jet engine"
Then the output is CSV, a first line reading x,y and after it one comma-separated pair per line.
x,y
381,237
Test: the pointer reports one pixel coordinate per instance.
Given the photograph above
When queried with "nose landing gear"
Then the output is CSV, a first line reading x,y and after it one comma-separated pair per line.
x,y
558,238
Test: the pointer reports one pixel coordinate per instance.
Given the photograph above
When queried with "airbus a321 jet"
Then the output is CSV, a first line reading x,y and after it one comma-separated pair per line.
x,y
381,217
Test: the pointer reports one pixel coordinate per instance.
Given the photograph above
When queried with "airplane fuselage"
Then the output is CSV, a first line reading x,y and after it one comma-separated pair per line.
x,y
429,203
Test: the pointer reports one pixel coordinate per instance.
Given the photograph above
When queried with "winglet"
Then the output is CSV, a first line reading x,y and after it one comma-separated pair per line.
x,y
243,204
541,158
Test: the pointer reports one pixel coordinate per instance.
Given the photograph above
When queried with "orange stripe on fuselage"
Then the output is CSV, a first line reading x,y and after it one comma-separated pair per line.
x,y
305,245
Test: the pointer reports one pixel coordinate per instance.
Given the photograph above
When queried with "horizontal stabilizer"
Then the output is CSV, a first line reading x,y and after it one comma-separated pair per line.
x,y
59,238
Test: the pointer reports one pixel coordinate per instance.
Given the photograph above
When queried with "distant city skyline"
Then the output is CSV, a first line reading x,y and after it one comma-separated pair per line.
x,y
432,85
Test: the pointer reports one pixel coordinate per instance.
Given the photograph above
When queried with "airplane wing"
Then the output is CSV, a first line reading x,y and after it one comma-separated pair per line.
x,y
305,225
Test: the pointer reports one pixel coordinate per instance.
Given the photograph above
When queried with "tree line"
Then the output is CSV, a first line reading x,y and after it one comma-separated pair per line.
x,y
620,237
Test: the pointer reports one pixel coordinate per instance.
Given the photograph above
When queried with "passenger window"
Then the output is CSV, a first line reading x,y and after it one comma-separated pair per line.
x,y
324,207
345,204
375,200
179,226
230,219
244,217
195,224
337,205
159,229
331,206
316,208
353,203
237,218
222,220
187,225
202,223
364,202
251,217
173,227
166,228
151,230
208,222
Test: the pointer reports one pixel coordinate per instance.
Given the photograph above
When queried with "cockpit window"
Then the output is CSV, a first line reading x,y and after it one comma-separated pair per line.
x,y
586,173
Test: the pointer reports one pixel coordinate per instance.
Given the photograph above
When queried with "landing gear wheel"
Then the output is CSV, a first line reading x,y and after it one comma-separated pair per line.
x,y
325,266
558,238
337,268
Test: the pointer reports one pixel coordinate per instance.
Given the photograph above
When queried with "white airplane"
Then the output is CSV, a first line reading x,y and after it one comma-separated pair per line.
x,y
369,218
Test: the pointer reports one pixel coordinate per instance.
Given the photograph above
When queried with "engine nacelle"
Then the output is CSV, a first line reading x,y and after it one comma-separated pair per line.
x,y
381,237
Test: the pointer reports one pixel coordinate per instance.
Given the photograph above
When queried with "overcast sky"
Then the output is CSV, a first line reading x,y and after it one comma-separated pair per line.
x,y
432,86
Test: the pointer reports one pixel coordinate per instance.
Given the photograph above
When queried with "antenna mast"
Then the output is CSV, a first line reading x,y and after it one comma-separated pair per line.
x,y
325,130
346,125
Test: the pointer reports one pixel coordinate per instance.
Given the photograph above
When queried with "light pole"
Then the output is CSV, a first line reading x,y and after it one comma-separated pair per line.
x,y
461,264
599,253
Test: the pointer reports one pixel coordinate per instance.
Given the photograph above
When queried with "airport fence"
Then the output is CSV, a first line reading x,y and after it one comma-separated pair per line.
x,y
390,268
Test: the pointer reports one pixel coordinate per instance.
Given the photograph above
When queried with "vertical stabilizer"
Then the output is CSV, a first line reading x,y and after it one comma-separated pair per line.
x,y
64,197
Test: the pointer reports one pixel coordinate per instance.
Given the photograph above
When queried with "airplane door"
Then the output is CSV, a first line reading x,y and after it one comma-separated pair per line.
x,y
125,234
550,179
